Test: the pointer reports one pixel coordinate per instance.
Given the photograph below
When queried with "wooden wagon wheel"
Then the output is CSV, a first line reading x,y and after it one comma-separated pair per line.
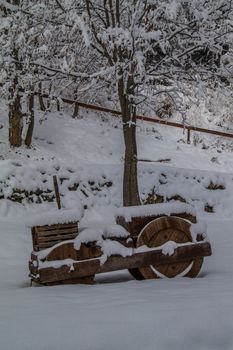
x,y
160,231
67,251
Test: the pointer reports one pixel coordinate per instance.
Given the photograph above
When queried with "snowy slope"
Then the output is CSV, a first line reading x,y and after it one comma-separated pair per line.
x,y
118,312
97,139
88,152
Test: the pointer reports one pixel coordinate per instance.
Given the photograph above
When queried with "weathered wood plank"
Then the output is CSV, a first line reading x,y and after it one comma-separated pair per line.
x,y
157,233
46,228
91,267
138,223
67,251
45,245
34,242
56,238
52,234
58,232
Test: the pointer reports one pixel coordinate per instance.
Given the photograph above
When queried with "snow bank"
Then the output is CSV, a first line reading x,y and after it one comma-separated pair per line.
x,y
27,186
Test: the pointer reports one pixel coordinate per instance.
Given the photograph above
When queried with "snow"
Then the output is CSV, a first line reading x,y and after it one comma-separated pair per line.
x,y
155,209
198,228
97,234
115,231
88,235
100,236
84,55
55,217
109,248
117,312
169,247
41,255
57,263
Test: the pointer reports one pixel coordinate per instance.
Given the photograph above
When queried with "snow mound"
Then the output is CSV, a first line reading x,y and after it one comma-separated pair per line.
x,y
55,217
154,210
98,235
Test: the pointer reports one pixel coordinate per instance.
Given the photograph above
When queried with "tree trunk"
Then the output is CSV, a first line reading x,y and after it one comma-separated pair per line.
x,y
130,178
48,99
76,110
28,139
15,117
76,106
41,101
58,106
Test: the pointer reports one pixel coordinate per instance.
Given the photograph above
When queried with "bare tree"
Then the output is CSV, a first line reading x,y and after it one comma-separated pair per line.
x,y
113,26
137,50
151,48
14,97
32,36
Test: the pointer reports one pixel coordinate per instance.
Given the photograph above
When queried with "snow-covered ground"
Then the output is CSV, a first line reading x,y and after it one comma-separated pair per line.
x,y
117,312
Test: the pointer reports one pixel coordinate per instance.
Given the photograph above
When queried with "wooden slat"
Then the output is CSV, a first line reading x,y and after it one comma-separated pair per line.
x,y
56,238
55,227
56,188
113,263
58,232
45,245
42,245
48,235
34,243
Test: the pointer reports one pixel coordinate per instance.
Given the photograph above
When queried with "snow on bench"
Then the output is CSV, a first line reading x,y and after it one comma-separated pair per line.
x,y
55,216
154,210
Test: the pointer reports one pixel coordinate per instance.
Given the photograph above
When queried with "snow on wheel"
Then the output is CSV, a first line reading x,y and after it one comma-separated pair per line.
x,y
157,233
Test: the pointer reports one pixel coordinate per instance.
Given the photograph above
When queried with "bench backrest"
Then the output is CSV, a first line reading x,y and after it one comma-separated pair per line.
x,y
46,236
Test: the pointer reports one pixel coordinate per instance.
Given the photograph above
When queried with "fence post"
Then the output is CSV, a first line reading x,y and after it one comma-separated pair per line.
x,y
76,110
188,136
56,188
